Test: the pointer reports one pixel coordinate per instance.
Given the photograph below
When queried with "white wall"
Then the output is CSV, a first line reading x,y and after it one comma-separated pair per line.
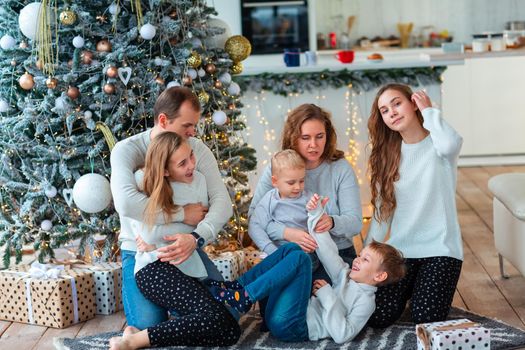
x,y
380,17
230,12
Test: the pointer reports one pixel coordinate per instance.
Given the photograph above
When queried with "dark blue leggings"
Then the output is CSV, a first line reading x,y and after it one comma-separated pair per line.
x,y
429,285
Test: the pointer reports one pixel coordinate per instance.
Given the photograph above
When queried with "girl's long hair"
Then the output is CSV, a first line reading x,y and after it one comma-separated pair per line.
x,y
156,185
383,164
294,122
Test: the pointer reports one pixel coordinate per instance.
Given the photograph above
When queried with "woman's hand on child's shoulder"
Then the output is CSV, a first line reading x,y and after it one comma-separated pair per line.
x,y
421,99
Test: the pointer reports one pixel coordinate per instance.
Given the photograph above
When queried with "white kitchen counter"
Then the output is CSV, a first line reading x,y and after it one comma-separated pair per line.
x,y
394,58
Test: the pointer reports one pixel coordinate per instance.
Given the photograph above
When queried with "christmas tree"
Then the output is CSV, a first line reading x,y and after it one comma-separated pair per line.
x,y
76,76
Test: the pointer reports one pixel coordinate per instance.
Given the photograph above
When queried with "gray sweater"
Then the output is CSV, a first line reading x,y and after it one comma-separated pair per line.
x,y
128,155
335,180
291,212
339,311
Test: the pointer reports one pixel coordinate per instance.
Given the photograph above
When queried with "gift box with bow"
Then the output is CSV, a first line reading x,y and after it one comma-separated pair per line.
x,y
452,335
46,295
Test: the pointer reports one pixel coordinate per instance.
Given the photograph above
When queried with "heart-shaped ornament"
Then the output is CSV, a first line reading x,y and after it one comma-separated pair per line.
x,y
124,73
67,193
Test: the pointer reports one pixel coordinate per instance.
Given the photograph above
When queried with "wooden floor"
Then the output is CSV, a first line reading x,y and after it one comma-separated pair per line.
x,y
481,289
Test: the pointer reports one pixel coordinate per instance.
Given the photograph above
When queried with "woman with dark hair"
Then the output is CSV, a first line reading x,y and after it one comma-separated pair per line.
x,y
309,131
413,168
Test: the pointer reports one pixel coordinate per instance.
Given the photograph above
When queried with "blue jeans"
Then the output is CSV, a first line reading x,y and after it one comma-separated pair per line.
x,y
285,278
140,312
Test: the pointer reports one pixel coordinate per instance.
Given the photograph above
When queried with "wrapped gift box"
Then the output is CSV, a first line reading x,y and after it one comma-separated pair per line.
x,y
108,286
46,295
452,335
253,257
231,265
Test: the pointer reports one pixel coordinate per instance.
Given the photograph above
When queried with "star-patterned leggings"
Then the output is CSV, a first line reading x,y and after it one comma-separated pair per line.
x,y
200,321
429,285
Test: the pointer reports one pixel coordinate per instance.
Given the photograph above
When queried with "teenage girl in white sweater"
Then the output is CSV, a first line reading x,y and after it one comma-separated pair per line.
x,y
413,168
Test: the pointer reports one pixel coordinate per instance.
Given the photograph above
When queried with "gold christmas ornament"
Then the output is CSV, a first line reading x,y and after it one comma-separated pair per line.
x,y
68,17
159,80
87,57
217,84
104,46
112,72
186,80
236,68
26,81
210,68
51,83
203,97
238,47
109,88
73,92
195,60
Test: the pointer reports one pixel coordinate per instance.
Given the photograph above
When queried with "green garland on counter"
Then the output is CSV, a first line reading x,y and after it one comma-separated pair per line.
x,y
361,80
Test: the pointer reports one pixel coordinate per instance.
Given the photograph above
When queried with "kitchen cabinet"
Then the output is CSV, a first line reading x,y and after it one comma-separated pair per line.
x,y
484,99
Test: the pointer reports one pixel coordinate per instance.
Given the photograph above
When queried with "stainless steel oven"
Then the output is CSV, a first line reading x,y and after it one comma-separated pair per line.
x,y
272,26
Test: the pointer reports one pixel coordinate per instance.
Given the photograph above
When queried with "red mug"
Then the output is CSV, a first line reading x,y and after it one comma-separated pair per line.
x,y
345,56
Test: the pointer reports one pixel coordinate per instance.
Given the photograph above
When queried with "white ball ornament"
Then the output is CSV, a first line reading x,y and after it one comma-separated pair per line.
x,y
78,42
4,106
51,192
172,84
217,41
46,225
192,73
28,19
201,72
92,193
225,78
234,89
88,115
148,31
219,117
7,42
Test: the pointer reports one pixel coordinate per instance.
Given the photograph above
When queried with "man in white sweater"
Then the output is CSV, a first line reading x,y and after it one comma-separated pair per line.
x,y
176,110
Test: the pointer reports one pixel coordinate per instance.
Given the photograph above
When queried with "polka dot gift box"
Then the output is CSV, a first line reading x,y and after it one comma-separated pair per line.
x,y
231,265
46,295
453,335
108,286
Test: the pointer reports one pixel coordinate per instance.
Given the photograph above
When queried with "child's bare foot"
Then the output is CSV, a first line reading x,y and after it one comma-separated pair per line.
x,y
129,330
119,343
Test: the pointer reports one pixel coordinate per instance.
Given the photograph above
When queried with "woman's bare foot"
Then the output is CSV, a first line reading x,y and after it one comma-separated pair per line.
x,y
119,343
129,330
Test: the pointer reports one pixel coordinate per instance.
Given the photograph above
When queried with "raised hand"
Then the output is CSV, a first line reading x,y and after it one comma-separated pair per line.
x,y
318,284
421,99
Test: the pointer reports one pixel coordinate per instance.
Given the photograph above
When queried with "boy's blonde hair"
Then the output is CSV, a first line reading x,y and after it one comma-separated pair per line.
x,y
392,261
286,159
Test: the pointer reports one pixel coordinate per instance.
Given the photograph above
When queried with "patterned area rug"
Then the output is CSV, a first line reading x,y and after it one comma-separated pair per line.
x,y
400,336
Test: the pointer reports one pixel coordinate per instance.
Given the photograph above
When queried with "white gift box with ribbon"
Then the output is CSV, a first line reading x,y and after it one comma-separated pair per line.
x,y
46,295
452,335
230,264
